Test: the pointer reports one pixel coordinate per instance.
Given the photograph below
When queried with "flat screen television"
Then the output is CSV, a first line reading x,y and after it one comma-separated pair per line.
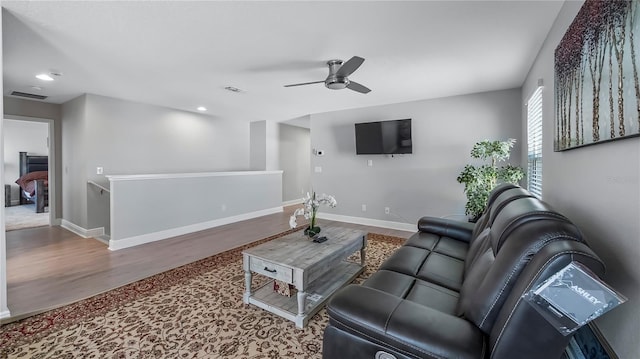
x,y
384,137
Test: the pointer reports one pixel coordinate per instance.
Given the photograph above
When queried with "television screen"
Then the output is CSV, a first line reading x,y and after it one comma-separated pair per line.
x,y
384,137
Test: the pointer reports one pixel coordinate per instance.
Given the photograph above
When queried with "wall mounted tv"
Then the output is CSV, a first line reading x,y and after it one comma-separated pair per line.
x,y
384,137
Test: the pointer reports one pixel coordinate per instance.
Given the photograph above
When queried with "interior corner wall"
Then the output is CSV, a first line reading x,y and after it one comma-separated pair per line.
x,y
16,107
264,139
413,185
125,138
74,160
258,144
272,147
295,161
598,188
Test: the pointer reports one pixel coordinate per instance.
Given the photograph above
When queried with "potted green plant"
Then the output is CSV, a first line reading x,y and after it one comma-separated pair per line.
x,y
480,180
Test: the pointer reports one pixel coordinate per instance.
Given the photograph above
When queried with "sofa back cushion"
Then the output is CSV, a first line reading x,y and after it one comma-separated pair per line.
x,y
505,198
516,213
483,220
477,245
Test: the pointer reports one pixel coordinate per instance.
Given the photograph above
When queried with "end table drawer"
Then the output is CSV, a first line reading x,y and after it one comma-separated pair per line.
x,y
271,270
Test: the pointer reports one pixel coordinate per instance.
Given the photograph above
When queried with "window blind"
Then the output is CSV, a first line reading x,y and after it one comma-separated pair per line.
x,y
534,143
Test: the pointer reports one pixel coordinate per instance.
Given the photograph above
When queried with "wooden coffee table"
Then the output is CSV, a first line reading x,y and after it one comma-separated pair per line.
x,y
316,270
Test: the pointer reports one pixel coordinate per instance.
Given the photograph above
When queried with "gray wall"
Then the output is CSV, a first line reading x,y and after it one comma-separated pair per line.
x,y
272,146
169,208
19,136
295,161
133,138
258,143
29,108
598,188
418,184
26,108
264,142
74,161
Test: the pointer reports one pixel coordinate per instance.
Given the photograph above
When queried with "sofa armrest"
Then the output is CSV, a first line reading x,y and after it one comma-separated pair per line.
x,y
404,326
446,227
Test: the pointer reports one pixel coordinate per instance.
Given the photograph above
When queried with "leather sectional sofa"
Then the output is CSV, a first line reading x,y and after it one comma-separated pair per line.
x,y
454,289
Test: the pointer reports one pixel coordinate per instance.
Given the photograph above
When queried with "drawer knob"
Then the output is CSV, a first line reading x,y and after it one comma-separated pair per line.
x,y
269,270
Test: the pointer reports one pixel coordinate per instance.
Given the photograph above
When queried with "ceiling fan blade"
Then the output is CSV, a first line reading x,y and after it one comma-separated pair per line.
x,y
357,87
350,66
304,83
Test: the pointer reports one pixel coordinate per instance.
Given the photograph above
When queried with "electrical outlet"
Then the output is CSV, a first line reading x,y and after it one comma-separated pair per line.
x,y
99,170
370,163
364,208
387,210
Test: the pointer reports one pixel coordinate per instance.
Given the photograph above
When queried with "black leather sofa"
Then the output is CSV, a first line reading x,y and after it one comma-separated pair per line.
x,y
454,289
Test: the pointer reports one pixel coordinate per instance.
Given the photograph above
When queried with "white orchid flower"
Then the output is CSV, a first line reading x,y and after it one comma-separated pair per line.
x,y
292,222
311,203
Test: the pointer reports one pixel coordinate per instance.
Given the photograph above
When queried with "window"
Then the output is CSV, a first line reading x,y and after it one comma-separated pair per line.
x,y
534,141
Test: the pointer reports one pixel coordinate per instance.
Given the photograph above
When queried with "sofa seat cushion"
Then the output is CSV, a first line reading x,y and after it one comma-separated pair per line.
x,y
452,248
423,240
429,266
443,270
416,290
403,325
441,244
407,260
434,296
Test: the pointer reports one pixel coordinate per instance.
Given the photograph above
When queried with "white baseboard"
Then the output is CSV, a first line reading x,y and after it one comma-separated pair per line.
x,y
82,232
104,239
292,202
369,222
5,314
115,244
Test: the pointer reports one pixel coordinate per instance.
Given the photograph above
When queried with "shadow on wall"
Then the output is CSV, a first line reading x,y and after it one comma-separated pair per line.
x,y
344,137
98,208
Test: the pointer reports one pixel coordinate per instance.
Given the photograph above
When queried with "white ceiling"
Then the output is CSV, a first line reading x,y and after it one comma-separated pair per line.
x,y
183,54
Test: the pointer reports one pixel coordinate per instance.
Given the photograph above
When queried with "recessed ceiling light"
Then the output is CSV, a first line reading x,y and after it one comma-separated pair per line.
x,y
202,108
37,88
232,89
44,77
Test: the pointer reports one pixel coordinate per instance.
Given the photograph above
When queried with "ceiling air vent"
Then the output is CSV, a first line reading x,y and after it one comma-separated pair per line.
x,y
28,95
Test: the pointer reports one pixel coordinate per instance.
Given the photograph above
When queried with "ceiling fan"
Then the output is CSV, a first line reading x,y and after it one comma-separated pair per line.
x,y
338,73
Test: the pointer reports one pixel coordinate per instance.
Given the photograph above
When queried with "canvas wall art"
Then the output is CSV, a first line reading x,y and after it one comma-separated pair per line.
x,y
597,91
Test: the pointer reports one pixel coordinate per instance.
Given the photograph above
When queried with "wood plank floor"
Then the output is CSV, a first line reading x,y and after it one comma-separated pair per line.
x,y
49,267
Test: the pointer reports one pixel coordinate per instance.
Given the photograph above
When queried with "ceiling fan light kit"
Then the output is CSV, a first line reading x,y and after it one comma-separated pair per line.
x,y
338,76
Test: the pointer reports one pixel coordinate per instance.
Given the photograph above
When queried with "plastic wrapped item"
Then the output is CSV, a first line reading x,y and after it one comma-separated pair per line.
x,y
283,288
573,297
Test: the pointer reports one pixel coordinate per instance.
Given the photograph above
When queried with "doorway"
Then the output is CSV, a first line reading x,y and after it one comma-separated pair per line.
x,y
26,187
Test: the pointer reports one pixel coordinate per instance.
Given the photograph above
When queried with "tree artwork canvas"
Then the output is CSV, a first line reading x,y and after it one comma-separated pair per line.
x,y
596,75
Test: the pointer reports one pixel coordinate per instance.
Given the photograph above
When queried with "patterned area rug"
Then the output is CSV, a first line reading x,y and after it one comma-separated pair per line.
x,y
194,311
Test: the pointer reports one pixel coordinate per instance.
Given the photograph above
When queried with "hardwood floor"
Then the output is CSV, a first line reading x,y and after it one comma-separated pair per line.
x,y
49,267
